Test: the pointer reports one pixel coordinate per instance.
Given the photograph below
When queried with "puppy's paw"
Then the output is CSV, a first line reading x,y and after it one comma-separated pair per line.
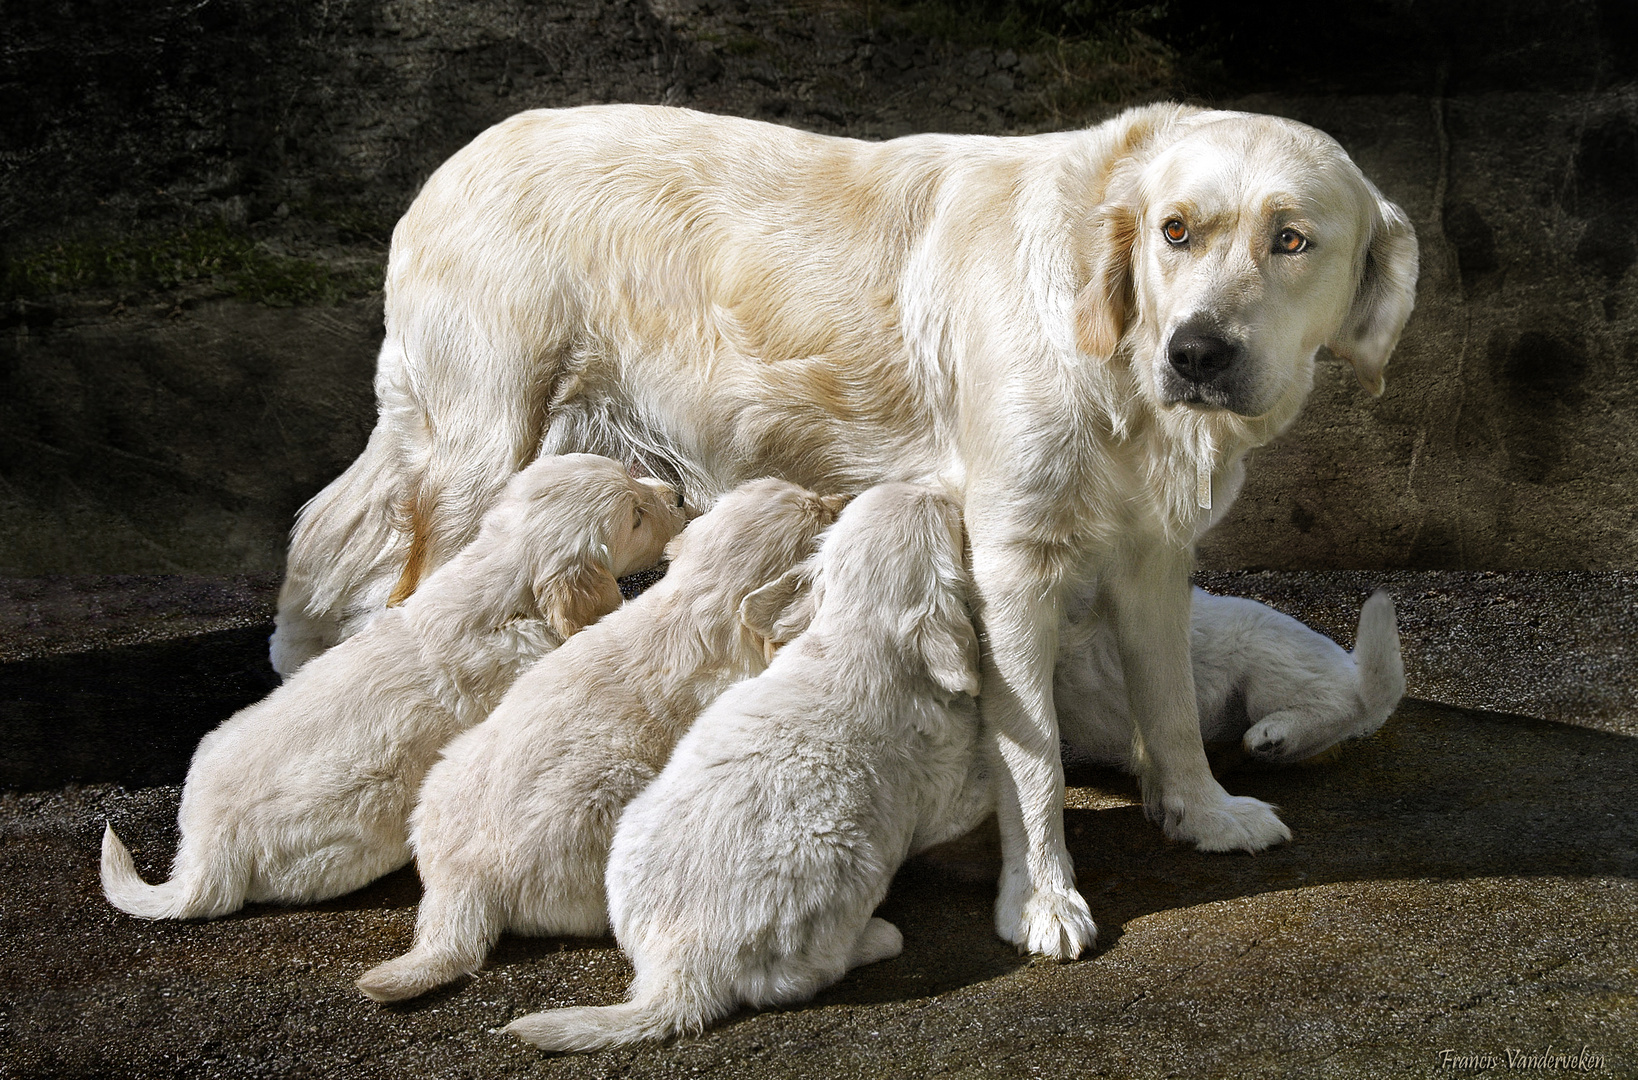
x,y
1288,736
1047,922
1230,823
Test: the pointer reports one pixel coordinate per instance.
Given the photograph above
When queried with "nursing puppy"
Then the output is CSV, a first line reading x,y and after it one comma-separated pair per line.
x,y
1260,677
747,873
1081,334
513,824
306,795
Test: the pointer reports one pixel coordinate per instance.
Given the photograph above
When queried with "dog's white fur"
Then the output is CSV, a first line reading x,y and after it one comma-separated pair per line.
x,y
748,871
307,794
1285,692
728,299
512,827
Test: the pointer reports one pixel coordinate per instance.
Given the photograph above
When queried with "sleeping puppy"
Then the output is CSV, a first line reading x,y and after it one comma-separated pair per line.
x,y
513,825
1298,691
306,794
747,873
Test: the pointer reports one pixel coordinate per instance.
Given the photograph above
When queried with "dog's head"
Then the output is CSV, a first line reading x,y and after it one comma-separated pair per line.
x,y
1230,249
890,574
576,523
752,537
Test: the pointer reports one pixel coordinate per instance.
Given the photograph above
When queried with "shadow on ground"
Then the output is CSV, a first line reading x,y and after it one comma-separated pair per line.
x,y
1460,879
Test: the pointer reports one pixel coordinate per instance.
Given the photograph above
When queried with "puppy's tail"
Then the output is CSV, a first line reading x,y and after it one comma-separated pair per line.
x,y
1381,668
453,934
196,891
653,1013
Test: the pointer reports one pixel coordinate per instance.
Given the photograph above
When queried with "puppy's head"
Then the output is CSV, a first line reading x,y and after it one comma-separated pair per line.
x,y
578,522
1230,249
892,568
754,535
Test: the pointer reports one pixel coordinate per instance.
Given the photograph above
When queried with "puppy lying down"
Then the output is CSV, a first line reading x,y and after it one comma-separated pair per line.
x,y
748,871
513,824
306,794
1283,691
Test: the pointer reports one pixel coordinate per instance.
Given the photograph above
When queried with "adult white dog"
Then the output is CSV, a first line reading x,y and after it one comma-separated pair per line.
x,y
1081,333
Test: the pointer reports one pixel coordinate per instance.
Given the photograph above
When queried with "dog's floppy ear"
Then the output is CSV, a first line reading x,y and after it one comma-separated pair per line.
x,y
782,609
1101,305
1384,298
949,646
576,597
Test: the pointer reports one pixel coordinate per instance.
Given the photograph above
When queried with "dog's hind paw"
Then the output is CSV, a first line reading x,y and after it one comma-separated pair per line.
x,y
1288,736
1047,922
1231,823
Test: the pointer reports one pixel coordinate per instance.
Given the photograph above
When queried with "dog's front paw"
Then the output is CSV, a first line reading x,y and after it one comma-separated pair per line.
x,y
1047,922
1231,823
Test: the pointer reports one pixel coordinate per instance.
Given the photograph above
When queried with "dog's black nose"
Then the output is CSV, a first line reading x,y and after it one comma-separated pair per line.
x,y
1199,355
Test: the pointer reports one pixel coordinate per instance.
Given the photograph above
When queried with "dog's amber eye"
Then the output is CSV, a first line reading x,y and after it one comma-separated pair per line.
x,y
1290,242
1176,232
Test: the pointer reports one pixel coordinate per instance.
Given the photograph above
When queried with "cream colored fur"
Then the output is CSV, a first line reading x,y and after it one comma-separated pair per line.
x,y
307,794
512,827
727,299
1261,678
748,871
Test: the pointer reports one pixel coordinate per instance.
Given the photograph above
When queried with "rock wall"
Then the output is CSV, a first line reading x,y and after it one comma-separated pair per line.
x,y
195,201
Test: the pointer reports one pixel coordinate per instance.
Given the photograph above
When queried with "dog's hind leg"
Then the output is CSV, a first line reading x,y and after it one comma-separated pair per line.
x,y
879,940
454,931
344,553
457,417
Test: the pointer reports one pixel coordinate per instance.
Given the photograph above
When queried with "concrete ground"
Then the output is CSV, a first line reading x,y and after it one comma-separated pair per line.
x,y
1464,881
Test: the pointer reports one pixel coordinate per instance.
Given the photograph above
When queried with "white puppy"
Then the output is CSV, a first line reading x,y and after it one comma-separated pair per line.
x,y
513,824
306,795
1081,333
748,872
1298,691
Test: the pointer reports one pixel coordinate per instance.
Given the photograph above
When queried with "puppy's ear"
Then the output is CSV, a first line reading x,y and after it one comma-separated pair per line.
x,y
1102,303
949,646
576,597
1384,298
782,609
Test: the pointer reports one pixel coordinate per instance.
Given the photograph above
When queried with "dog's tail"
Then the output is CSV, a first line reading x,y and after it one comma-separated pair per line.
x,y
655,1011
453,934
1376,656
199,889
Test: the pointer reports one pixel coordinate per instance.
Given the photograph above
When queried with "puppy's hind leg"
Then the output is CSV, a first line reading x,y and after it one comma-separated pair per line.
x,y
879,940
454,931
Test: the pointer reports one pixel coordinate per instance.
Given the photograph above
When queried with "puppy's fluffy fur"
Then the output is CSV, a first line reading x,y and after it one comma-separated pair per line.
x,y
306,794
747,873
1286,692
513,824
1081,333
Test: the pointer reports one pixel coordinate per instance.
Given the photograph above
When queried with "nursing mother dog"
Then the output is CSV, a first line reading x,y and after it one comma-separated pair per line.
x,y
1081,334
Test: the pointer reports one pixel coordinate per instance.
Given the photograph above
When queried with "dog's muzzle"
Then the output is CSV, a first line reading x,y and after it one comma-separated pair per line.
x,y
1204,367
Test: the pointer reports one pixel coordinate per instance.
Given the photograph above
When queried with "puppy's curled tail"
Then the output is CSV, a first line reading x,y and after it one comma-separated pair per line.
x,y
196,891
453,934
1381,668
657,1014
